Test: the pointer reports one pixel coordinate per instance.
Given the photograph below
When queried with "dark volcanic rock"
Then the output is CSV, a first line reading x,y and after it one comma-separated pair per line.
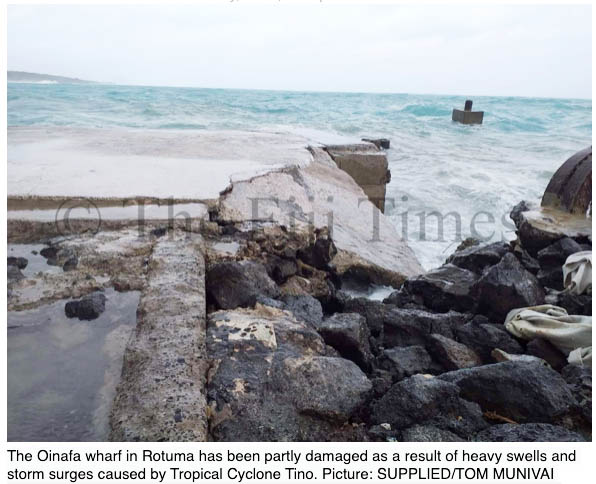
x,y
551,261
530,432
551,277
403,299
526,260
20,262
428,433
71,264
484,337
446,288
280,269
383,433
579,379
330,388
524,392
375,313
476,258
516,212
556,254
237,284
270,381
348,334
422,400
507,286
87,308
544,349
14,274
306,308
407,327
320,253
451,354
575,304
402,362
49,253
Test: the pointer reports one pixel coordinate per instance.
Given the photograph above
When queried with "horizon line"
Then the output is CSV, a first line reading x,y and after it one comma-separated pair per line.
x,y
313,91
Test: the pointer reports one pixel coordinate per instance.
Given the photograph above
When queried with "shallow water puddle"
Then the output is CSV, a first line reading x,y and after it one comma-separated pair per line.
x,y
62,373
35,261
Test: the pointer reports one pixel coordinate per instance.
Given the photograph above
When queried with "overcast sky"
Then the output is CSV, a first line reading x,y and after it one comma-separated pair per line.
x,y
502,50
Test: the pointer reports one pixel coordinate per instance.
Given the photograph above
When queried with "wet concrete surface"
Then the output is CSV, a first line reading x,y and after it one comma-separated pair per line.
x,y
62,373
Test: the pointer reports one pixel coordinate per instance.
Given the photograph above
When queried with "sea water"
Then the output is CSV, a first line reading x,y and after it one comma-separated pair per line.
x,y
449,181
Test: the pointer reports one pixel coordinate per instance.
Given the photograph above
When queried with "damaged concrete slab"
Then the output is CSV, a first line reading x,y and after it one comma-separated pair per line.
x,y
322,195
162,392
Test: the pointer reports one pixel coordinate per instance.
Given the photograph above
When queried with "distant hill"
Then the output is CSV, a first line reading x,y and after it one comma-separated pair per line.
x,y
19,76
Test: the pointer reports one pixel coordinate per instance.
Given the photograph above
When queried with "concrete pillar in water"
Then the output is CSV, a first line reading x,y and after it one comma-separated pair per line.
x,y
467,116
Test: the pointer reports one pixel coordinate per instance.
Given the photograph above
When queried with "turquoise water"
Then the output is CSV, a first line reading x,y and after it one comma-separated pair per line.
x,y
476,172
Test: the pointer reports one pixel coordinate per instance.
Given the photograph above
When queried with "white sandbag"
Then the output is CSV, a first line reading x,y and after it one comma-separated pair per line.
x,y
577,272
569,333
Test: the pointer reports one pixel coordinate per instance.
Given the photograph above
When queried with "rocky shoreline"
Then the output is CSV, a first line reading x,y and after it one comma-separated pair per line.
x,y
244,332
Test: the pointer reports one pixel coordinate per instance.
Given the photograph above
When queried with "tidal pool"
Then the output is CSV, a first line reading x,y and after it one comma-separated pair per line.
x,y
63,373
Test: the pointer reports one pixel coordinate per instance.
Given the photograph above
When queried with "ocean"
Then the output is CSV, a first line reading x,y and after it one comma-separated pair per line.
x,y
449,181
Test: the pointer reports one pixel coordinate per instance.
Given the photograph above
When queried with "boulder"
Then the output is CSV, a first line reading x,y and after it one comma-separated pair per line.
x,y
530,432
483,338
526,260
556,253
402,362
348,334
506,286
524,392
428,433
233,284
403,299
551,260
320,253
383,433
50,253
446,288
517,210
14,274
305,308
451,354
575,304
280,269
407,327
426,400
330,388
269,380
500,355
314,283
20,262
87,308
541,348
551,277
538,228
71,264
579,379
375,313
477,258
